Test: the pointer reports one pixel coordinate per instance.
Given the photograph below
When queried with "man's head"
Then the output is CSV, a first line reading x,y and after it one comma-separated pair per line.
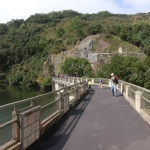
x,y
112,74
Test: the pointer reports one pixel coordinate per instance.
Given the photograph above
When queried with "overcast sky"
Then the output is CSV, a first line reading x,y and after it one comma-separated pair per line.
x,y
22,9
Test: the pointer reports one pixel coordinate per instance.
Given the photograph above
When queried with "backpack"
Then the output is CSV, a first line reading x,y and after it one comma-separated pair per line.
x,y
116,80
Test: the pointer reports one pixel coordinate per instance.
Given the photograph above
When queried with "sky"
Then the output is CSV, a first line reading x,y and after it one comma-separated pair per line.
x,y
23,9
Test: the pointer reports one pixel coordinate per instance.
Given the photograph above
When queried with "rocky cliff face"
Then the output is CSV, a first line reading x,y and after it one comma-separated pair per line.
x,y
91,48
82,50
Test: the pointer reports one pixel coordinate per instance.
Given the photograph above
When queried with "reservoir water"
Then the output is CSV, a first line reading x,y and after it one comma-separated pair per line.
x,y
10,94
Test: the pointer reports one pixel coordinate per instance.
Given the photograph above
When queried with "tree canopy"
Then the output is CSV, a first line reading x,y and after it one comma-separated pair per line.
x,y
129,69
79,67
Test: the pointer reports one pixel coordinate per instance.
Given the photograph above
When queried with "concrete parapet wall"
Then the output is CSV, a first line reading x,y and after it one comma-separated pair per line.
x,y
79,92
48,124
137,102
30,126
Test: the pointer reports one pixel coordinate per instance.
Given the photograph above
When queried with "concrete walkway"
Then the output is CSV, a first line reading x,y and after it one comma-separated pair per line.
x,y
99,121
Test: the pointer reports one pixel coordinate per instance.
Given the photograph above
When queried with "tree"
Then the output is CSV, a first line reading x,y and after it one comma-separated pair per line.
x,y
39,18
3,28
94,29
77,67
138,71
147,79
15,23
120,66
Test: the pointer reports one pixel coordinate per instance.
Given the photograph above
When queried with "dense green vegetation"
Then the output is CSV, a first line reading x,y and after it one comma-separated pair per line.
x,y
25,44
129,69
78,67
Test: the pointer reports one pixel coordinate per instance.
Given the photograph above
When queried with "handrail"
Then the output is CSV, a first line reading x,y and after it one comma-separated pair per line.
x,y
32,98
147,100
7,123
144,89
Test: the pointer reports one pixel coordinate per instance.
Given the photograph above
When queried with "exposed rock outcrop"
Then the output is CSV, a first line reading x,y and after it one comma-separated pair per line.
x,y
81,50
91,48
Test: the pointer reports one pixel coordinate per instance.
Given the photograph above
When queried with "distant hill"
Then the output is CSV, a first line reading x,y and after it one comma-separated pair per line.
x,y
26,44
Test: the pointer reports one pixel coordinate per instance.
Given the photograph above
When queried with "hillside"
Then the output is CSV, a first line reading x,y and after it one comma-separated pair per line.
x,y
26,44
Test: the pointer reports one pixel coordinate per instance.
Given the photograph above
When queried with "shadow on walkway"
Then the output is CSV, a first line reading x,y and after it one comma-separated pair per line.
x,y
63,129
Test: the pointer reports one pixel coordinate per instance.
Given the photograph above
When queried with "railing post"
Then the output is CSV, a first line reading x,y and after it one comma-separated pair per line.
x,y
62,104
73,81
110,82
53,84
127,91
32,103
78,92
78,81
15,126
92,81
121,88
56,86
138,101
86,86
